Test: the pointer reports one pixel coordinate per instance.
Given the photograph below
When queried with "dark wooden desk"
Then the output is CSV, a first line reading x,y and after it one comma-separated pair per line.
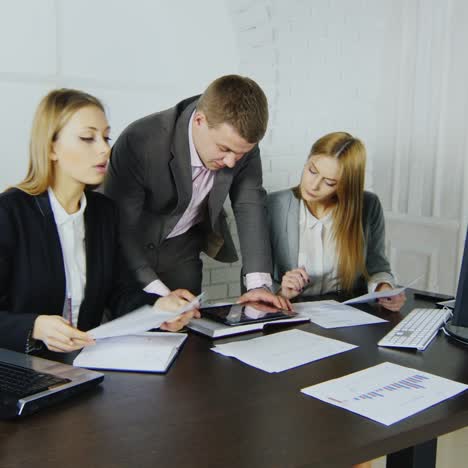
x,y
214,411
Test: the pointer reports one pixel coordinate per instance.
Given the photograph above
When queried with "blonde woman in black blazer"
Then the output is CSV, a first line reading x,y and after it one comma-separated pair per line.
x,y
69,151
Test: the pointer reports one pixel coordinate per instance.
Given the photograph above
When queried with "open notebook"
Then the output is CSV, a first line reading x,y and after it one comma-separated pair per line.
x,y
124,343
142,352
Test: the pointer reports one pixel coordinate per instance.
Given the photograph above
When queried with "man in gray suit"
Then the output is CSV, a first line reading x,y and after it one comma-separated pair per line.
x,y
170,173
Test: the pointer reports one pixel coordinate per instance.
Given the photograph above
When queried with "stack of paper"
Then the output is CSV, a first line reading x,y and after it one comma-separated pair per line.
x,y
284,350
387,392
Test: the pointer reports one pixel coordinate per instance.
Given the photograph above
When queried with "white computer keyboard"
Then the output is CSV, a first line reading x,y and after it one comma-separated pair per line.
x,y
417,329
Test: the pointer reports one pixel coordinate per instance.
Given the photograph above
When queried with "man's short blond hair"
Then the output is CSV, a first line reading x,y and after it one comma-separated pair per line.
x,y
238,101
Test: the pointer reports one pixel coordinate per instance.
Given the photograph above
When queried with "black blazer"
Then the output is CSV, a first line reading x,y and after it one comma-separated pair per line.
x,y
32,275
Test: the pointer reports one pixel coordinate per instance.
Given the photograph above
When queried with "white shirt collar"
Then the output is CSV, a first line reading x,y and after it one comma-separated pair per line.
x,y
195,160
60,215
308,220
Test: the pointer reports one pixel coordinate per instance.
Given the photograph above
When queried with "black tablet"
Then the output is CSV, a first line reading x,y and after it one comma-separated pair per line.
x,y
243,314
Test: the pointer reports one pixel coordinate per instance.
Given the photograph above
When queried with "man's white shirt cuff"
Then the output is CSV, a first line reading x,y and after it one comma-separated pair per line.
x,y
157,287
258,280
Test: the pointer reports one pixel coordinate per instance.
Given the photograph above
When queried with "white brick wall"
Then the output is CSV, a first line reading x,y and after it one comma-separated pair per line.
x,y
318,63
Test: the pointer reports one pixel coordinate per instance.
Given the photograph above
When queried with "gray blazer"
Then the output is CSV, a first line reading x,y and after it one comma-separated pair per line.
x,y
283,221
150,178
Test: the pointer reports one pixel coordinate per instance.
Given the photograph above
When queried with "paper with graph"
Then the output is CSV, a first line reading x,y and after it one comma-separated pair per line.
x,y
386,393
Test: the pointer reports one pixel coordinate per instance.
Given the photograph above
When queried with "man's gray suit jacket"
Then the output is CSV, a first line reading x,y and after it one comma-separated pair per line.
x,y
150,178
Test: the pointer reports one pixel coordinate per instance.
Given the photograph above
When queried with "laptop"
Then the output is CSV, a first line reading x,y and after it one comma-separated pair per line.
x,y
29,383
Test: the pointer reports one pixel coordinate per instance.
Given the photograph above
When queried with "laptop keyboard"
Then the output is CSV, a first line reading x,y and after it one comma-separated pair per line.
x,y
22,382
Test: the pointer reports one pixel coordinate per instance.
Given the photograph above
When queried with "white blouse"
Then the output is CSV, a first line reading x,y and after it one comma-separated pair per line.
x,y
318,255
71,231
317,252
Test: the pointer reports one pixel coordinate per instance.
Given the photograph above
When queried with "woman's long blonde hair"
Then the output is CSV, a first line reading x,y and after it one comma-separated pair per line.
x,y
347,215
52,114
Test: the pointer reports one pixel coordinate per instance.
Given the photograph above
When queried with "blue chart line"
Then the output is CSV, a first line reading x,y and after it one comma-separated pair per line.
x,y
413,382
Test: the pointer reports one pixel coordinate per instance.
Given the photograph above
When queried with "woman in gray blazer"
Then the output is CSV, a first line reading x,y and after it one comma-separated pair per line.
x,y
328,234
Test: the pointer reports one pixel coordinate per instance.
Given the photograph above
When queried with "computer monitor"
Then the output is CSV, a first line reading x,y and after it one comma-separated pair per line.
x,y
458,325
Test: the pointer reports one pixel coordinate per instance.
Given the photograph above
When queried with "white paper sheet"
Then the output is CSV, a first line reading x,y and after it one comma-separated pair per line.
x,y
375,295
140,320
386,393
381,294
284,350
332,314
149,352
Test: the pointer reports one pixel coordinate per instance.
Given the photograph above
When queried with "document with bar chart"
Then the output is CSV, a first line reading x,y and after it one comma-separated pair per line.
x,y
386,393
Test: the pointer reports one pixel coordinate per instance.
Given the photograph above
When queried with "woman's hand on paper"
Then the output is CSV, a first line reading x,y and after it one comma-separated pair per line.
x,y
294,282
58,335
394,303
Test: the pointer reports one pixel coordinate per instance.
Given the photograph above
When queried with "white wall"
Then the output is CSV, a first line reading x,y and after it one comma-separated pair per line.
x,y
391,72
138,57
